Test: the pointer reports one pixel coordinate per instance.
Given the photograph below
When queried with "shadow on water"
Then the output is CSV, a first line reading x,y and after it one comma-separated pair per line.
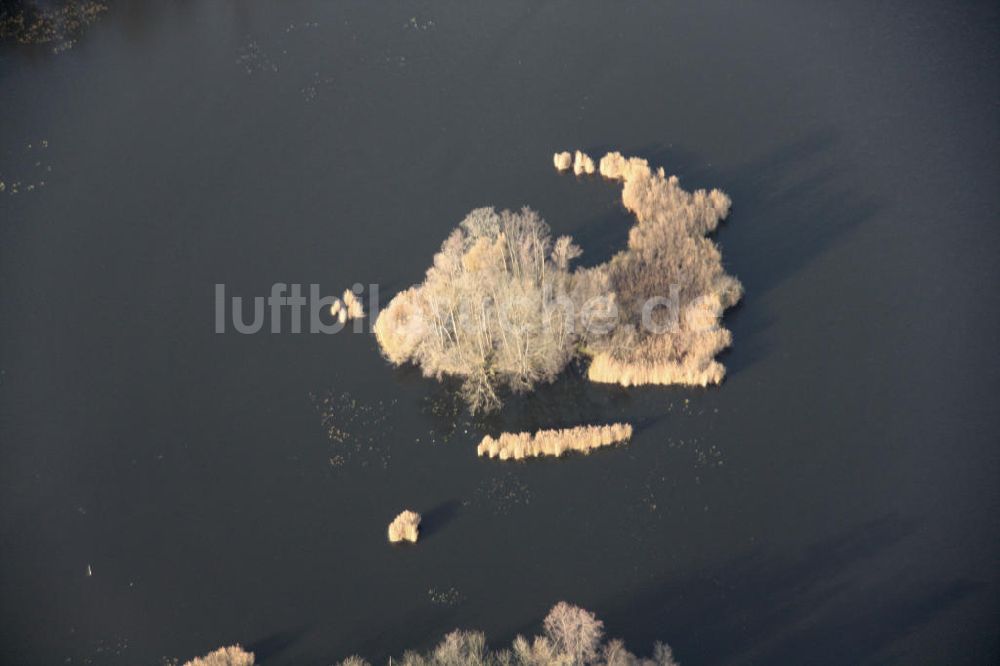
x,y
437,518
774,609
273,645
789,208
418,630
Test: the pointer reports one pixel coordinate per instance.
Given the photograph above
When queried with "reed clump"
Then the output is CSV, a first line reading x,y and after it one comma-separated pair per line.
x,y
347,307
233,655
583,164
563,160
352,305
517,446
405,527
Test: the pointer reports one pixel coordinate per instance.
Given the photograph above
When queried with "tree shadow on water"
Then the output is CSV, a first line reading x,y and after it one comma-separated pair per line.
x,y
437,518
274,644
811,607
790,206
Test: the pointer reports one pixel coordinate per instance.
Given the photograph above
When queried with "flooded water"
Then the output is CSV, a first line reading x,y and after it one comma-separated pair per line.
x,y
834,501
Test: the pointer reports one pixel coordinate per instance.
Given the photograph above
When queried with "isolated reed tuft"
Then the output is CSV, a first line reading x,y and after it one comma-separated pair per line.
x,y
405,527
352,305
582,163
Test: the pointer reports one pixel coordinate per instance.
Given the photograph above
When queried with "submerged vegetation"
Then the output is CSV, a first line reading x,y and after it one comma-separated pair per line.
x,y
47,22
669,261
515,446
572,637
502,308
405,527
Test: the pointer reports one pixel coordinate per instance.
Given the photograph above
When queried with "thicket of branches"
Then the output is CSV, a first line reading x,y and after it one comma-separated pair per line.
x,y
493,308
572,637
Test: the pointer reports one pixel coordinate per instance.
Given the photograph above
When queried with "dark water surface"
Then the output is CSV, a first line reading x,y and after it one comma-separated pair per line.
x,y
834,501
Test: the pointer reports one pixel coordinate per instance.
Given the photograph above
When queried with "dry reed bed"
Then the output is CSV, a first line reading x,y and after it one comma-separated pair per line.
x,y
668,256
516,446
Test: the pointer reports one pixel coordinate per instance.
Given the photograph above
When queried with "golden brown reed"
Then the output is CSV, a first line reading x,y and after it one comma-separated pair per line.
x,y
669,258
516,446
582,163
405,527
352,305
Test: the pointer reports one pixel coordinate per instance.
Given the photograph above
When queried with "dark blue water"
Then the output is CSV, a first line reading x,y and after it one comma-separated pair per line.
x,y
834,501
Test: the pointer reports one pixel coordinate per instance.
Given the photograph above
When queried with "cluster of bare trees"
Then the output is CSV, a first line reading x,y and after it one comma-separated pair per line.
x,y
502,308
515,446
572,637
233,655
498,307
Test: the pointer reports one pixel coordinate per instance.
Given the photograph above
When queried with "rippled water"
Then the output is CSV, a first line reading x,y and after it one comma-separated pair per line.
x,y
834,501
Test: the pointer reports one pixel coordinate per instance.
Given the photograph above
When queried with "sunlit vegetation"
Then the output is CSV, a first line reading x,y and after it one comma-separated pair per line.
x,y
502,308
668,257
488,310
572,636
405,527
515,446
347,307
233,655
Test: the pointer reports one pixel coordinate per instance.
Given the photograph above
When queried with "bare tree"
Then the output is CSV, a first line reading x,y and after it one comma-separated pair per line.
x,y
488,310
574,632
233,655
